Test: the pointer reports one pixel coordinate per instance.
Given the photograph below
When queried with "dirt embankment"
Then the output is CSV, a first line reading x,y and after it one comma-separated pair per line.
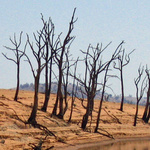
x,y
14,134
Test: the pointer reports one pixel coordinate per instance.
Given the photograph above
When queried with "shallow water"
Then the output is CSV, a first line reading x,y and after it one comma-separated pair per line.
x,y
122,145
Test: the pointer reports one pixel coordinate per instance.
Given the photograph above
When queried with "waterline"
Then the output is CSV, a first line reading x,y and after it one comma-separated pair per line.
x,y
123,144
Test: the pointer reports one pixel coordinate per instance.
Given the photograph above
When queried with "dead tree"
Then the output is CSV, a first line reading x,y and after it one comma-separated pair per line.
x,y
74,92
50,48
122,64
59,59
93,68
107,65
139,92
18,54
38,53
65,77
146,114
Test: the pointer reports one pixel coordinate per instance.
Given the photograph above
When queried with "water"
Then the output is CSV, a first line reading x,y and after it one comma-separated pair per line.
x,y
122,145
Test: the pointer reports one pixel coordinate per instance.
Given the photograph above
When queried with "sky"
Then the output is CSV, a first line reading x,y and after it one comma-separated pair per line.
x,y
98,21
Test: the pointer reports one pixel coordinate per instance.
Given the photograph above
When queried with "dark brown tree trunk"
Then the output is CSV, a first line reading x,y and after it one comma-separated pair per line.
x,y
47,80
66,106
148,115
72,104
99,114
59,95
32,118
74,91
122,91
85,117
54,112
136,114
60,62
102,98
18,82
18,54
44,107
61,109
146,107
47,97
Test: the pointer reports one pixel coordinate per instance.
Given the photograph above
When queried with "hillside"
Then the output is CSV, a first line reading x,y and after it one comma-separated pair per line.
x,y
14,134
117,98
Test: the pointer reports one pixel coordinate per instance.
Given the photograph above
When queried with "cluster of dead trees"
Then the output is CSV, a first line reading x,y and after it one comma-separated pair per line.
x,y
50,50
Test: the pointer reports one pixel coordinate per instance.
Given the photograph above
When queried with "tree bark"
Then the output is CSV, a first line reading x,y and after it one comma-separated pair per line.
x,y
18,82
146,107
32,118
85,117
102,98
122,90
136,114
44,107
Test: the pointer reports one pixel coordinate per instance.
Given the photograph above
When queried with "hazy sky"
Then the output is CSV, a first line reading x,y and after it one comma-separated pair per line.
x,y
99,21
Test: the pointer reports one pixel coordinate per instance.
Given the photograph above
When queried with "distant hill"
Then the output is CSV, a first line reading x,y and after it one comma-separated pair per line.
x,y
108,97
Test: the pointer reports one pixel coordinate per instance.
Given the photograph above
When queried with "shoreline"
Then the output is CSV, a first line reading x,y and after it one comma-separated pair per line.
x,y
104,142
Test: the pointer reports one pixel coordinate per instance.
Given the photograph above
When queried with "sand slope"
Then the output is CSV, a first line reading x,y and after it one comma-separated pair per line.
x,y
14,134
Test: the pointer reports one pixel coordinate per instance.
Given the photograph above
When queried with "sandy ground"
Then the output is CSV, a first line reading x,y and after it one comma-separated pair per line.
x,y
14,134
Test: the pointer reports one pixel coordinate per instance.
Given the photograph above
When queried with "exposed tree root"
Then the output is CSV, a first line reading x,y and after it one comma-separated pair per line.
x,y
107,134
113,117
39,146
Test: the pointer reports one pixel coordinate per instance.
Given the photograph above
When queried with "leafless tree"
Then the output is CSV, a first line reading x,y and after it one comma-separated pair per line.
x,y
65,81
146,114
18,54
93,67
123,60
59,59
74,91
38,53
139,92
51,47
89,85
107,65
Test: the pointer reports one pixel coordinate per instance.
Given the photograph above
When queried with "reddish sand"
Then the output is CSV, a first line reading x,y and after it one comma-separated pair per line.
x,y
14,134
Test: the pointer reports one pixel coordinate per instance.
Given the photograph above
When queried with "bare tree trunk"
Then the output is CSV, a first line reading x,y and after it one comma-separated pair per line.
x,y
85,117
32,118
148,115
59,59
49,88
18,54
72,104
136,114
140,94
121,58
74,91
102,98
122,91
59,97
18,82
146,107
61,109
44,107
54,112
99,111
66,105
